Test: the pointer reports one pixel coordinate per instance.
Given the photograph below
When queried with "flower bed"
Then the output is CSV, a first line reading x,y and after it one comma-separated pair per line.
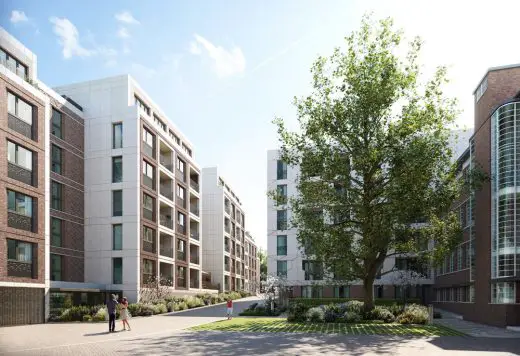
x,y
262,309
144,308
314,302
353,312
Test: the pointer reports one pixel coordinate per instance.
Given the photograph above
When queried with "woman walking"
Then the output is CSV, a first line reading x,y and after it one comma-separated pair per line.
x,y
124,313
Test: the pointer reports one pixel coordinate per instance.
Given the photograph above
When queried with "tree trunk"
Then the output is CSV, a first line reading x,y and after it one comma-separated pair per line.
x,y
368,287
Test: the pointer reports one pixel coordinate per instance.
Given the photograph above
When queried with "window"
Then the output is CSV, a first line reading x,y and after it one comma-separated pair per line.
x,y
148,268
117,270
56,195
181,192
281,220
281,170
148,204
159,122
281,191
117,203
19,203
13,64
148,174
56,230
148,234
281,245
459,258
56,159
281,269
175,137
342,292
312,291
481,89
56,267
56,123
181,250
19,251
148,138
142,105
117,237
180,165
19,155
117,169
181,276
117,135
181,220
19,108
313,270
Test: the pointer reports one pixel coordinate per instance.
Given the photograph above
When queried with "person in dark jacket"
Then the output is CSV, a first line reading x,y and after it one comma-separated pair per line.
x,y
111,309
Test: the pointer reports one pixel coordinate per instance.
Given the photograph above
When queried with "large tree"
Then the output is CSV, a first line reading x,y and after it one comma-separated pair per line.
x,y
374,157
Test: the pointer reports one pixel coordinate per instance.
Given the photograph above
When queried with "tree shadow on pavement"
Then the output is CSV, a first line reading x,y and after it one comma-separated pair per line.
x,y
492,345
233,343
101,333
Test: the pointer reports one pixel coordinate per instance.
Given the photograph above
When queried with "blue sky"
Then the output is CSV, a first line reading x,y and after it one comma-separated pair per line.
x,y
222,70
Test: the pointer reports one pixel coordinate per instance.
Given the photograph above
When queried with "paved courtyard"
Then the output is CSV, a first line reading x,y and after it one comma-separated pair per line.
x,y
165,334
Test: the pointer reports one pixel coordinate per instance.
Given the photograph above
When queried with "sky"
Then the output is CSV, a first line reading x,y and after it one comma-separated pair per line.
x,y
223,70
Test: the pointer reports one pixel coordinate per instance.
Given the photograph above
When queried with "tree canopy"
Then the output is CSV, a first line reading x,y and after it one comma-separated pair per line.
x,y
374,157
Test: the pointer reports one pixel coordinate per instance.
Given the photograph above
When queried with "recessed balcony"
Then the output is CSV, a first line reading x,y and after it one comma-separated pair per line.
x,y
166,156
166,186
194,230
166,245
194,180
166,215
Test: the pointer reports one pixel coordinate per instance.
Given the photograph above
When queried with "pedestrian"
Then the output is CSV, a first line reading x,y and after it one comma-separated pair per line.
x,y
124,313
111,308
229,309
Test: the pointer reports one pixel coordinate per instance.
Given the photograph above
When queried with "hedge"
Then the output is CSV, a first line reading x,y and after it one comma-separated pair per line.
x,y
314,302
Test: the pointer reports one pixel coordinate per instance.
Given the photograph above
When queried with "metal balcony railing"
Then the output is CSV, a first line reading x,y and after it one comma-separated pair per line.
x,y
194,185
165,221
194,235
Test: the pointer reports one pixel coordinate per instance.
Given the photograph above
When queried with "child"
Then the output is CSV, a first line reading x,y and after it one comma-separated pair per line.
x,y
229,309
124,313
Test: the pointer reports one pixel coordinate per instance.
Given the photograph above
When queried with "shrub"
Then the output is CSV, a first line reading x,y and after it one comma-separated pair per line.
x,y
160,309
381,313
146,310
134,308
65,315
253,306
87,317
182,306
214,299
316,315
297,312
101,315
354,306
414,314
169,306
234,295
194,302
352,317
395,309
314,302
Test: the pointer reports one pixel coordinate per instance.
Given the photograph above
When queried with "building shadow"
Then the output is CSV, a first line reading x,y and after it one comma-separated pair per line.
x,y
482,344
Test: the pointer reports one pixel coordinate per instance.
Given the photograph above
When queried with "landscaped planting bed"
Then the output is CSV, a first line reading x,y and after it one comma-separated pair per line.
x,y
368,328
145,308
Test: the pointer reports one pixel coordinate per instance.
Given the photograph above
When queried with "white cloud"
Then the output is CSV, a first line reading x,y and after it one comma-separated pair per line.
x,y
123,33
69,38
126,17
18,16
226,62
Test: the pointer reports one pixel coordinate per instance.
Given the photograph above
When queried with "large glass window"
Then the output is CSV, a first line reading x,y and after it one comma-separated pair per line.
x,y
281,220
342,292
117,203
117,270
56,159
19,155
181,250
19,203
148,234
148,204
281,245
56,267
19,108
281,170
56,195
281,194
117,169
281,269
313,270
503,293
56,123
56,231
148,138
117,135
117,236
19,251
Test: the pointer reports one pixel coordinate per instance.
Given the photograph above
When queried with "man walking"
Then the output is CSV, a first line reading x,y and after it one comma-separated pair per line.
x,y
111,309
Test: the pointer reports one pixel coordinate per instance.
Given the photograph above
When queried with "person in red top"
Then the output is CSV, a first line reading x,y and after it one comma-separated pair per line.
x,y
229,309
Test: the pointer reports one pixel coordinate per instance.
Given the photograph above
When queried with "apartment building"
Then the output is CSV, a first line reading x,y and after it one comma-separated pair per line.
x,y
252,265
142,216
480,279
306,277
224,235
42,233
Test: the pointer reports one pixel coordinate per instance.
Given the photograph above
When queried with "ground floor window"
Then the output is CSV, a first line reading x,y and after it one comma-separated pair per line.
x,y
342,292
503,293
312,291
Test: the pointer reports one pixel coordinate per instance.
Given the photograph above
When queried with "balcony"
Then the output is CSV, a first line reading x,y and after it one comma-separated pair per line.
x,y
226,244
166,186
227,206
181,229
194,278
181,202
194,180
194,230
166,215
166,156
20,269
227,226
166,274
166,245
149,246
181,277
181,176
194,254
147,181
194,206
